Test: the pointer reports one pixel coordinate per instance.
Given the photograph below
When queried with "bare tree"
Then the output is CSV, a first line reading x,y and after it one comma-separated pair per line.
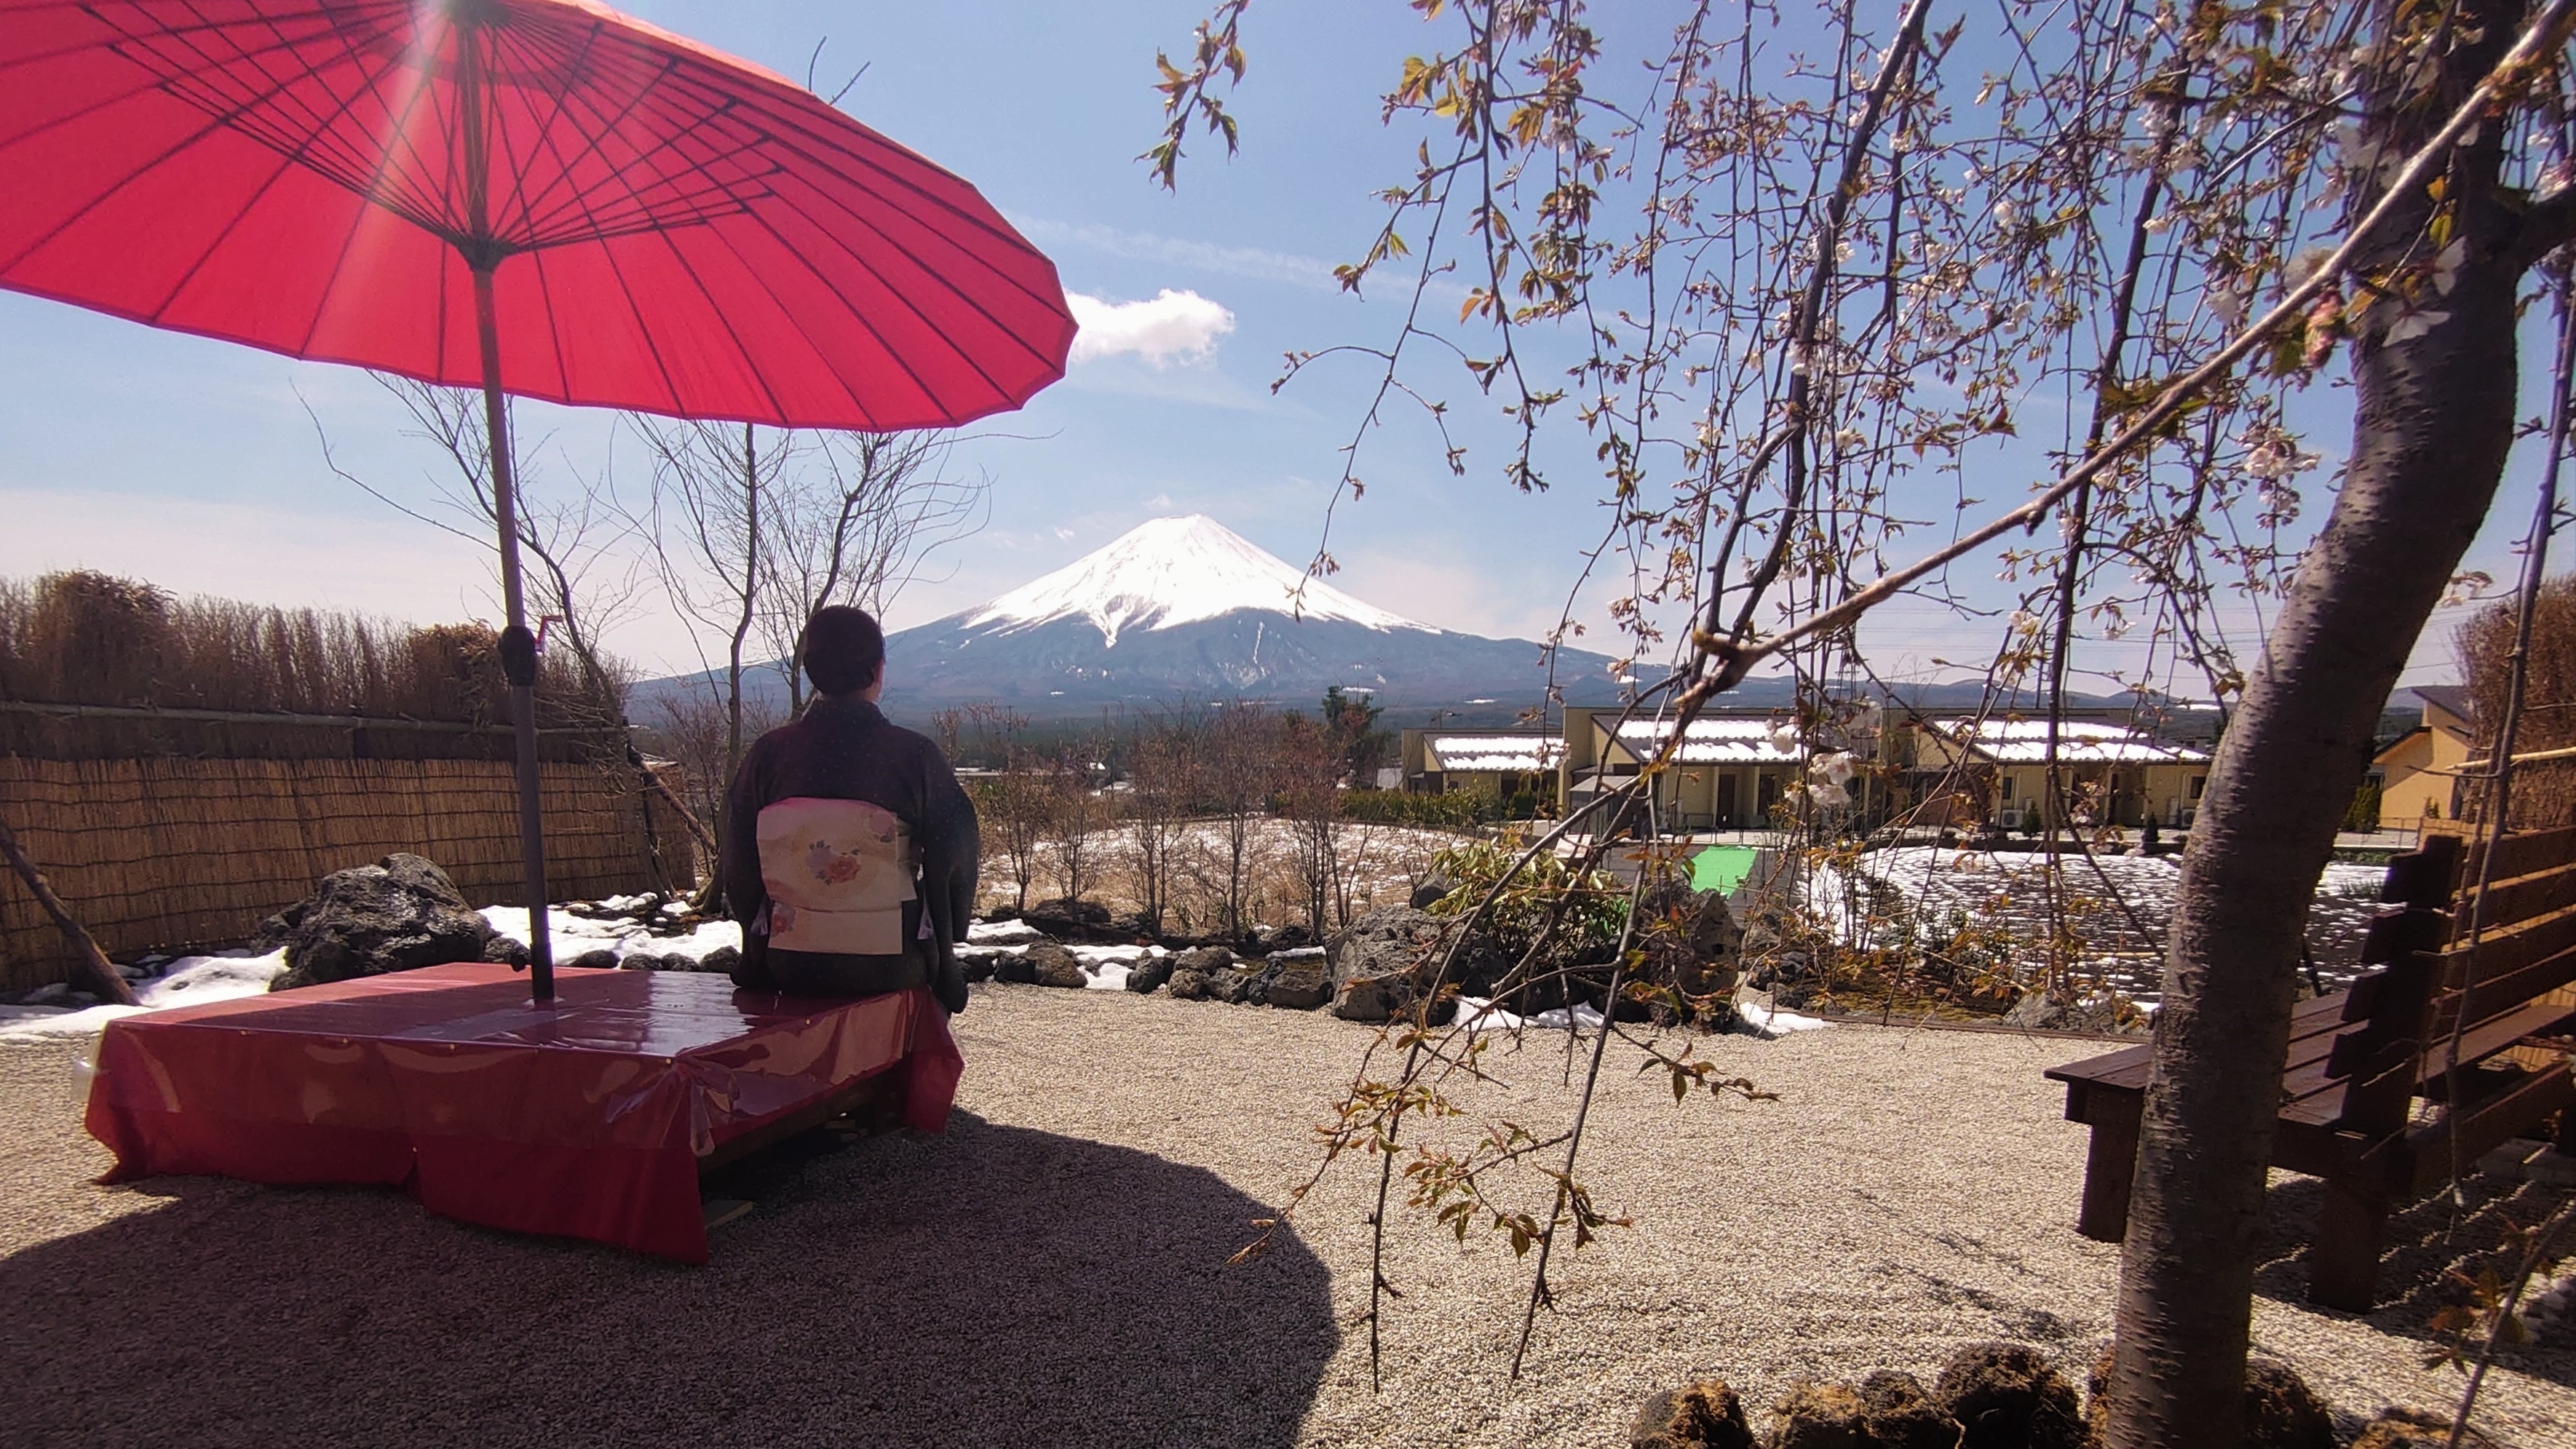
x,y
1015,801
1162,778
1077,815
1236,784
852,518
584,582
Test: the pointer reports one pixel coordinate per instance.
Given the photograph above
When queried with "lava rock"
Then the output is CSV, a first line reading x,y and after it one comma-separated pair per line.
x,y
1898,1414
978,967
1814,1415
2281,1412
2006,1396
600,959
1299,986
1078,921
1705,1415
722,960
1190,985
2108,1014
1089,913
1428,894
1149,973
1203,958
1691,941
1237,986
647,961
1382,962
505,951
400,914
1052,965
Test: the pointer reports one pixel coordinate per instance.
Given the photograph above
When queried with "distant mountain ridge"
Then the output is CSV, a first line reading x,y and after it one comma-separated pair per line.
x,y
1185,609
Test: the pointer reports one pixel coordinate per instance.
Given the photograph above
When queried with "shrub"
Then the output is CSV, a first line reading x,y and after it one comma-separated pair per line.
x,y
1397,807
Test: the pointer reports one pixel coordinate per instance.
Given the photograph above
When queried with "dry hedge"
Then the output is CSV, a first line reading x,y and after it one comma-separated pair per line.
x,y
95,640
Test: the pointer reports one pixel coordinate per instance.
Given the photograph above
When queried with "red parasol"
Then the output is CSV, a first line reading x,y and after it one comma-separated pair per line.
x,y
542,197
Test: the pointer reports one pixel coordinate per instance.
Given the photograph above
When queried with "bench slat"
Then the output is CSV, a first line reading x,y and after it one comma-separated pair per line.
x,y
2312,1028
2524,898
2325,1108
2512,945
2500,991
2522,852
2483,1125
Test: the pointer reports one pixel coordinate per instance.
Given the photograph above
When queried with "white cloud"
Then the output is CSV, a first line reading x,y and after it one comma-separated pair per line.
x,y
1173,327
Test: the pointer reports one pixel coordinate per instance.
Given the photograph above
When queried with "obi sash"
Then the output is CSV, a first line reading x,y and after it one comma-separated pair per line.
x,y
838,873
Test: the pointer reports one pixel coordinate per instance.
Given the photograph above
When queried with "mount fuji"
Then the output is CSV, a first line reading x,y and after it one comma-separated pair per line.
x,y
1185,608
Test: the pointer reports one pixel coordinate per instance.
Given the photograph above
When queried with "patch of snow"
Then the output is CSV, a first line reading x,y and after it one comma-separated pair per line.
x,y
191,981
1173,571
1123,955
1768,1021
709,936
1107,976
574,935
1477,1013
1002,933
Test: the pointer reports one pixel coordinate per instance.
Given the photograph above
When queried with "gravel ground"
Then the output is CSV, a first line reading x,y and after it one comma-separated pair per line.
x,y
1053,1272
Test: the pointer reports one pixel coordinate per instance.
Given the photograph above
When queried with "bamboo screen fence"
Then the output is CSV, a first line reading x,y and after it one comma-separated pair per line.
x,y
165,853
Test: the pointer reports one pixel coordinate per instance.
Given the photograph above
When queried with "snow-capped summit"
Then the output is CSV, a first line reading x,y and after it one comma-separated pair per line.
x,y
1175,571
1183,610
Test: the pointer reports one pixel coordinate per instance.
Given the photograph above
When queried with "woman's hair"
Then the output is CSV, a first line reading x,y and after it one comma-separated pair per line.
x,y
844,649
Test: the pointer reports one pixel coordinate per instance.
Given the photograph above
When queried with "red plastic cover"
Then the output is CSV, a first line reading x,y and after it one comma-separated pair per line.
x,y
584,1118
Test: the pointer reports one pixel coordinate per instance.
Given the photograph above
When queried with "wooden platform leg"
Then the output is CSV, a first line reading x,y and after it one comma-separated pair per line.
x,y
2343,1268
2110,1169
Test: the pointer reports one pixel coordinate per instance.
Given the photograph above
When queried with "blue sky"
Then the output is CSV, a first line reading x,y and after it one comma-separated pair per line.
x,y
196,465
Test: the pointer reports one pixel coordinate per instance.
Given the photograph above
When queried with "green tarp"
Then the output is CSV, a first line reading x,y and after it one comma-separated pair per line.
x,y
1721,868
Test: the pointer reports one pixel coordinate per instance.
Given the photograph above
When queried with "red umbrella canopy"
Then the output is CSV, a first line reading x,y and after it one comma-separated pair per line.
x,y
669,229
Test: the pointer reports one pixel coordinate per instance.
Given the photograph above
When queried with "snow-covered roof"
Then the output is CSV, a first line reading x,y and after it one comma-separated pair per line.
x,y
1174,571
1519,754
1714,741
2079,742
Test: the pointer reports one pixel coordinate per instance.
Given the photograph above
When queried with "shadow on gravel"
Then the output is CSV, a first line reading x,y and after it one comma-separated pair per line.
x,y
2425,1242
995,1286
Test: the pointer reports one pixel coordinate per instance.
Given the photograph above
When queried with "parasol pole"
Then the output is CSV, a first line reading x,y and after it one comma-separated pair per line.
x,y
483,256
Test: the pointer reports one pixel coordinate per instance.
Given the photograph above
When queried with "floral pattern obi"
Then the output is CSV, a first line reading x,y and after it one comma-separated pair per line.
x,y
838,874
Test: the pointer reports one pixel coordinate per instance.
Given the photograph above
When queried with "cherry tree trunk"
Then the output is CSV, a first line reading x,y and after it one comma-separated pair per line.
x,y
2432,423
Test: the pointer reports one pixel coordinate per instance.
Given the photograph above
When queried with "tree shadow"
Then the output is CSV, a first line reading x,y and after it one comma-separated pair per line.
x,y
994,1286
2425,1244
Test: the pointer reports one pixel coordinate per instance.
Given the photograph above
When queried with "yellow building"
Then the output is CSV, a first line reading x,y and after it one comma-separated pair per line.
x,y
2419,775
1495,764
2115,773
1729,772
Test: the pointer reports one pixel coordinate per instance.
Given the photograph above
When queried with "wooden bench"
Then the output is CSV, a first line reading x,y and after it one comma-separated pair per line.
x,y
2359,1059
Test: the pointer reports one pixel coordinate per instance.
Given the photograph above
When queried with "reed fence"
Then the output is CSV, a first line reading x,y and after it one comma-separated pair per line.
x,y
173,852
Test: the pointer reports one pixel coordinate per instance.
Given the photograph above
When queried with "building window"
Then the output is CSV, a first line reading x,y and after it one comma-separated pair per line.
x,y
2196,782
2008,787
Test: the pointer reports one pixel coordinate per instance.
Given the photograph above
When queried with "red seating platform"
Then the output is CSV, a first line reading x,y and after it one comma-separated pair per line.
x,y
586,1118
